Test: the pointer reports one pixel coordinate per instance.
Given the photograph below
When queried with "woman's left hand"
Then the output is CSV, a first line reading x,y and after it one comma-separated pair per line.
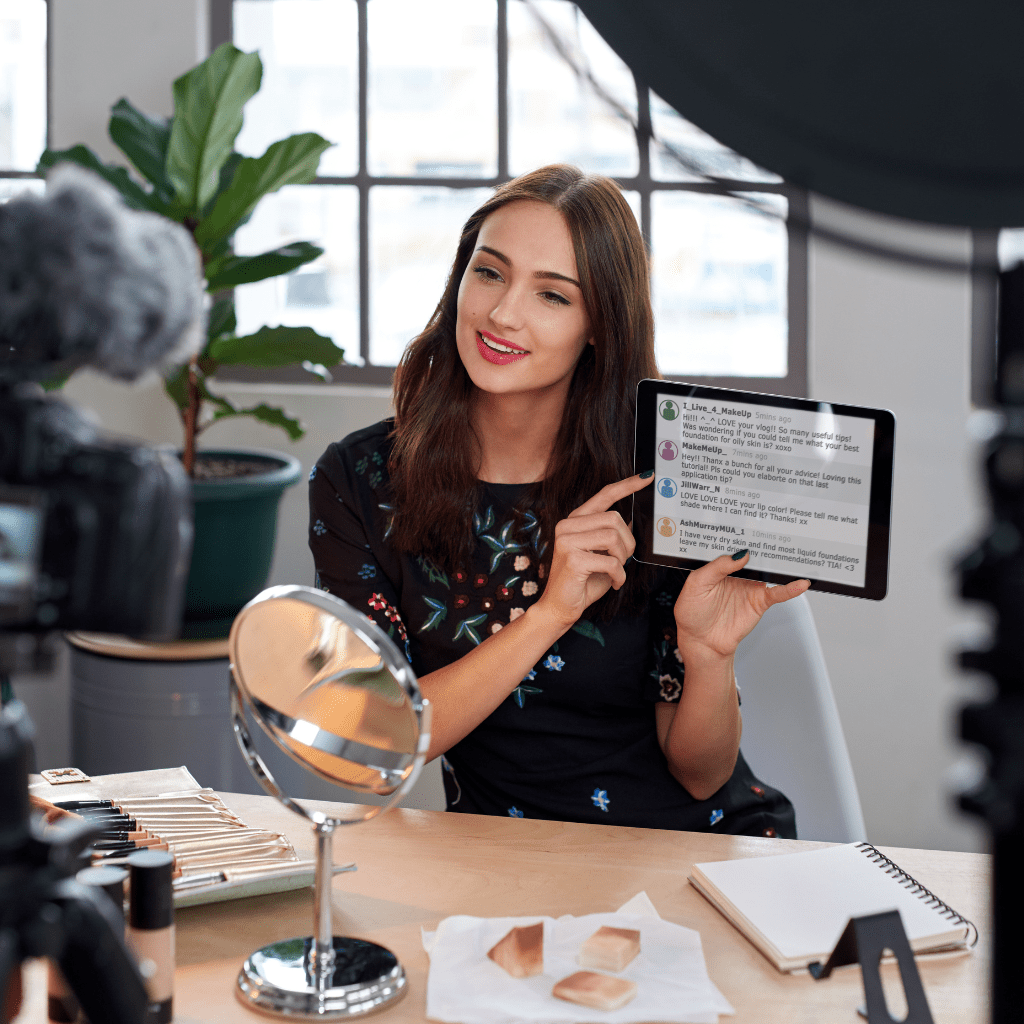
x,y
715,611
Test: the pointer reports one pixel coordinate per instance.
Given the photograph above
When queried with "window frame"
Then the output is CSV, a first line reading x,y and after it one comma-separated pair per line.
x,y
7,173
795,381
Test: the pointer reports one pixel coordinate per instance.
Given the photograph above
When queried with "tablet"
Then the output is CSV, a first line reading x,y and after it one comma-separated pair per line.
x,y
805,486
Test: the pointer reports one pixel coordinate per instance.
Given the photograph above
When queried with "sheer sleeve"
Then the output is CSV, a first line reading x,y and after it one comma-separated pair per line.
x,y
349,547
665,674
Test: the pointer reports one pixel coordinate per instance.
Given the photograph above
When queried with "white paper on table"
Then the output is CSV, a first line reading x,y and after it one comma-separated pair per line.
x,y
465,986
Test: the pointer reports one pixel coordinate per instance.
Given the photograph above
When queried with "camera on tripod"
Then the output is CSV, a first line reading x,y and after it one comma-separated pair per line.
x,y
95,533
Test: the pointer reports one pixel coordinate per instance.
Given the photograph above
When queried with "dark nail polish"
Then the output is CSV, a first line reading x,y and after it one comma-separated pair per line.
x,y
647,474
737,555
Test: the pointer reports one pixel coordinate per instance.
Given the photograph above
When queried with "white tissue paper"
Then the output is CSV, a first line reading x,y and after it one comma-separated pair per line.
x,y
464,986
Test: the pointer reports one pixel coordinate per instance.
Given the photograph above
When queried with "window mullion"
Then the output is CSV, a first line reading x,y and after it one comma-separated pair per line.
x,y
363,181
502,55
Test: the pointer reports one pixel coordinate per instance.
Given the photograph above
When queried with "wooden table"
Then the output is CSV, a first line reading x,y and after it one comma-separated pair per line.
x,y
416,867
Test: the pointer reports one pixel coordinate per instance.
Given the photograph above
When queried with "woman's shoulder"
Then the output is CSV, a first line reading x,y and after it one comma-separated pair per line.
x,y
373,440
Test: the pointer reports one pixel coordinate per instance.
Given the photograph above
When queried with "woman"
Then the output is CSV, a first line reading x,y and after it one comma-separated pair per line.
x,y
483,529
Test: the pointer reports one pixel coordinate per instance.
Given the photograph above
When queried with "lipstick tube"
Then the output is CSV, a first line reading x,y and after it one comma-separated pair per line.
x,y
151,928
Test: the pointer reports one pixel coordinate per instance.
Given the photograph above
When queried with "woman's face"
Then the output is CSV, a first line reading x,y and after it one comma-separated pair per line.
x,y
521,323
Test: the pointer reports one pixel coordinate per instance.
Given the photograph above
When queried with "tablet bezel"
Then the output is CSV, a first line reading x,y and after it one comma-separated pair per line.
x,y
876,576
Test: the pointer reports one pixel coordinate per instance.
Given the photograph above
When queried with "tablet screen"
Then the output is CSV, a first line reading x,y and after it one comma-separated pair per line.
x,y
805,486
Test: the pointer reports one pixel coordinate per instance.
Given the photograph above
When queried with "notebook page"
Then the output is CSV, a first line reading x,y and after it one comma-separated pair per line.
x,y
801,902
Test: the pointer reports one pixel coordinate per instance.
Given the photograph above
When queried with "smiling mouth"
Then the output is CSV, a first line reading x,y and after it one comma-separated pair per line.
x,y
504,347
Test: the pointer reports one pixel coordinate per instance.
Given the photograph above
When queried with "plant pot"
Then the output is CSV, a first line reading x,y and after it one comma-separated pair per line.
x,y
235,530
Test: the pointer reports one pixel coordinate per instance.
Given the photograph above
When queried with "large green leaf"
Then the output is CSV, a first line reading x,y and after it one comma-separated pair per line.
x,y
230,271
177,388
208,102
291,161
131,192
221,319
144,141
276,346
267,414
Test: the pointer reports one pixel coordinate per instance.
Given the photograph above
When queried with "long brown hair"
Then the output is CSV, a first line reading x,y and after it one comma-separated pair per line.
x,y
433,462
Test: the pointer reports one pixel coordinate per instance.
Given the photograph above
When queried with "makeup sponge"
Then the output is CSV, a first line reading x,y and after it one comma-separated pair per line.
x,y
595,991
610,949
521,951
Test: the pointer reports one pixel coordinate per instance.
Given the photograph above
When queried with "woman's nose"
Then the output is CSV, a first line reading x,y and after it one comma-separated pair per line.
x,y
508,312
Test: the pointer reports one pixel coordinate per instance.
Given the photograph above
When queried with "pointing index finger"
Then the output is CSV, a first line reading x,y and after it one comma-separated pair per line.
x,y
611,493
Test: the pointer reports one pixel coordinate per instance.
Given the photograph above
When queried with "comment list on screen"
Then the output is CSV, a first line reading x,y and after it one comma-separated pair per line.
x,y
792,486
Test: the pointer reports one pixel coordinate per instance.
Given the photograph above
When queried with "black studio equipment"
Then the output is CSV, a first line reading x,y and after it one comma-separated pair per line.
x,y
912,111
44,911
95,533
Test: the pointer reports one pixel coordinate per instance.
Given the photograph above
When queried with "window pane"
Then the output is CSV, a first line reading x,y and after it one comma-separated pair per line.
x,y
322,294
433,88
556,115
10,188
719,279
682,152
413,236
310,83
22,83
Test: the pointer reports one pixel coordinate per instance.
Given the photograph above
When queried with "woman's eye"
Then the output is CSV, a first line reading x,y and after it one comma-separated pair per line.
x,y
554,298
487,273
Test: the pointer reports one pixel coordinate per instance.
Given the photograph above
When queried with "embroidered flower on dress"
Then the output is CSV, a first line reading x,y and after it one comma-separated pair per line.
x,y
461,600
717,816
460,576
377,602
664,598
553,663
514,613
541,571
479,580
496,627
529,588
679,657
367,572
312,474
532,674
503,594
318,528
522,562
600,800
487,604
670,688
514,812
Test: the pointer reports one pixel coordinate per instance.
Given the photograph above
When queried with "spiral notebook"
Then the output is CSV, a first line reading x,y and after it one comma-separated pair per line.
x,y
794,907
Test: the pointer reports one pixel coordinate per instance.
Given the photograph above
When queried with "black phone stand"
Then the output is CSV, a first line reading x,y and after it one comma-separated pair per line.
x,y
863,941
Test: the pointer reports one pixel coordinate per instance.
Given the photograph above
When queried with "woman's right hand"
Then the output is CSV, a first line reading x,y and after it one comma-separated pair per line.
x,y
591,548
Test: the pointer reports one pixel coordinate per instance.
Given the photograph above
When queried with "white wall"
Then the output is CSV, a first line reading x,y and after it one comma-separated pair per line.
x,y
882,334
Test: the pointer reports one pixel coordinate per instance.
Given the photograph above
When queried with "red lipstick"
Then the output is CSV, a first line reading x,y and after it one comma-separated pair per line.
x,y
494,354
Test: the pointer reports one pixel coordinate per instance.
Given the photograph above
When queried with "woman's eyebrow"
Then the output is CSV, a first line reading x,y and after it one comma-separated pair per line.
x,y
544,275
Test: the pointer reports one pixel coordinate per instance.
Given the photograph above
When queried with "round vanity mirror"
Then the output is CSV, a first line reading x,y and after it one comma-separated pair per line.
x,y
334,693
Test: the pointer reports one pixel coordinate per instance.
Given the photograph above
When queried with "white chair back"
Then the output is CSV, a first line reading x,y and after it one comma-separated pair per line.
x,y
792,736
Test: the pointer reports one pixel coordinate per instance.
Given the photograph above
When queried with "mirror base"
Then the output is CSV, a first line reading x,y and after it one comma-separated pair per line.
x,y
278,980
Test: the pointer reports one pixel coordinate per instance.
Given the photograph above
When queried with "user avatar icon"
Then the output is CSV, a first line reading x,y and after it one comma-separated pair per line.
x,y
668,409
667,450
667,488
666,527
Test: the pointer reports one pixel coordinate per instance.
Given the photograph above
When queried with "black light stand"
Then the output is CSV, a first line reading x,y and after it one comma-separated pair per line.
x,y
994,574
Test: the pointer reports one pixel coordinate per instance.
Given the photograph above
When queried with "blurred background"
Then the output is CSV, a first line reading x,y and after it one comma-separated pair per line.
x,y
430,103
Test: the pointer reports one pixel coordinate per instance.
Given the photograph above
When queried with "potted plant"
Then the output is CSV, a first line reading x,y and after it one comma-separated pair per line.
x,y
186,169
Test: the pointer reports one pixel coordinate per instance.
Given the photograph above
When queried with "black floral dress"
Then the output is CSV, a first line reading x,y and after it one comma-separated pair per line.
x,y
576,740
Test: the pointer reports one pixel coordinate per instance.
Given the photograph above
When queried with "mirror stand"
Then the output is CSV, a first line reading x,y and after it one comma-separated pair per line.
x,y
323,976
332,691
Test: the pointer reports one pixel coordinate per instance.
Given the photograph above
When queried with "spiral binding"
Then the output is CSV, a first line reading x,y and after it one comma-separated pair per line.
x,y
915,888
